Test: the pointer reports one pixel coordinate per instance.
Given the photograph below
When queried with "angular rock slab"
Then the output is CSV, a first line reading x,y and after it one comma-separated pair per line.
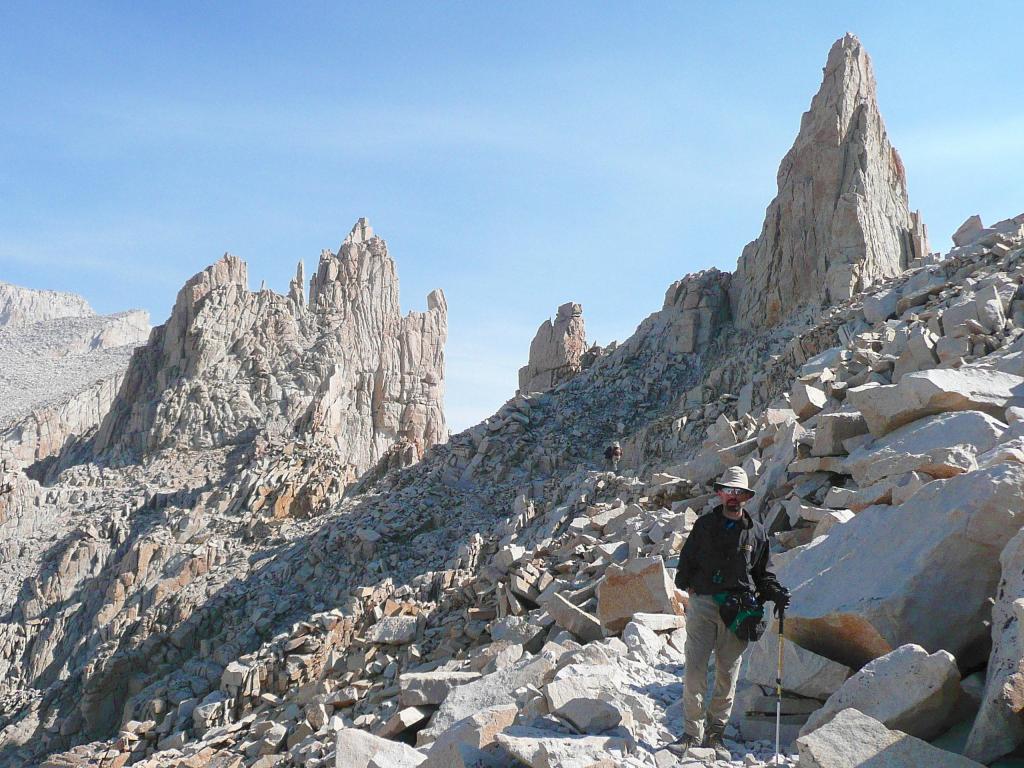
x,y
924,444
574,619
854,740
907,690
804,673
542,749
834,428
641,585
393,630
924,393
476,731
359,749
419,688
490,690
596,683
920,573
999,727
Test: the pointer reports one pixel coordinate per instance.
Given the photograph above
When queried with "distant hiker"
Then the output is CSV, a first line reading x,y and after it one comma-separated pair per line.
x,y
613,455
724,565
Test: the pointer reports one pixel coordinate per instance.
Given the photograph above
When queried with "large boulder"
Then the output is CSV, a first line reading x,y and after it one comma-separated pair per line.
x,y
805,673
470,735
806,399
887,577
543,749
359,749
854,740
595,697
420,688
393,630
641,585
928,445
489,691
999,726
576,620
923,393
834,428
908,690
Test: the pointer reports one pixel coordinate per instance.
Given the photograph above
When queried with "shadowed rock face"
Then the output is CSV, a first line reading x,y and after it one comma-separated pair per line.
x,y
840,221
346,367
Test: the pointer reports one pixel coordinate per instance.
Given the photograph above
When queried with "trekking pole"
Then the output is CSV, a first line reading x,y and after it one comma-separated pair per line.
x,y
778,689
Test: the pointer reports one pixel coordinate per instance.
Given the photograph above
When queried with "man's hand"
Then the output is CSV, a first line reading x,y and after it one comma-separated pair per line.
x,y
780,596
776,593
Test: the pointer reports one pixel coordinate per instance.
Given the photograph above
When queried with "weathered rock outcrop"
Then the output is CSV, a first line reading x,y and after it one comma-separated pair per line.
x,y
20,306
840,221
697,307
556,352
346,367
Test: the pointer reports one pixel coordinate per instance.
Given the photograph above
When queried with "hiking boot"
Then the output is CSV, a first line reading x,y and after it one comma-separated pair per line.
x,y
714,741
681,746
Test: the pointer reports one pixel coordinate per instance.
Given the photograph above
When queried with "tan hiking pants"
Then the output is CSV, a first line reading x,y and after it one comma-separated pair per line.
x,y
705,633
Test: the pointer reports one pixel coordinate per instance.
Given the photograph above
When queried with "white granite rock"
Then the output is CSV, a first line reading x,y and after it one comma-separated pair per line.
x,y
882,579
852,739
906,690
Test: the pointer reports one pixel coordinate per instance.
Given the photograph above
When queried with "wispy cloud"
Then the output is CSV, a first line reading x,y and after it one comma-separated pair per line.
x,y
96,249
593,138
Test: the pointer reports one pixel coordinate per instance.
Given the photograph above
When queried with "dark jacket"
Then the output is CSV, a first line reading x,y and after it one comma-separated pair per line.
x,y
611,452
721,555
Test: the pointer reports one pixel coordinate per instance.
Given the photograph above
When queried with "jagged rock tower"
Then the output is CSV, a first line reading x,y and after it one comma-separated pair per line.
x,y
346,368
840,220
556,352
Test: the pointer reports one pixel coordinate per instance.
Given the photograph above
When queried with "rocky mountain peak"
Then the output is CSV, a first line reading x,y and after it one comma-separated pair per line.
x,y
840,221
230,363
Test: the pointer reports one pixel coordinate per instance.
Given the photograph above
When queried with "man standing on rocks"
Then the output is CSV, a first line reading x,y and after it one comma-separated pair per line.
x,y
724,565
612,456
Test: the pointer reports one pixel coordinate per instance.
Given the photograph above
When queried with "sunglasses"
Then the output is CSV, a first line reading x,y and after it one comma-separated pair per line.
x,y
733,491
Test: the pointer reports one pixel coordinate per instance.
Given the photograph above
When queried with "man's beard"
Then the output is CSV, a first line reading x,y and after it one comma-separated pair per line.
x,y
733,505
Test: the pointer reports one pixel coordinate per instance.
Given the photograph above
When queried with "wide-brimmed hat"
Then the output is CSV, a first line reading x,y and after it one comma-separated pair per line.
x,y
734,477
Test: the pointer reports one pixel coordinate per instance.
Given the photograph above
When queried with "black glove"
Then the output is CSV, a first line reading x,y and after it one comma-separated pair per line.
x,y
780,596
776,593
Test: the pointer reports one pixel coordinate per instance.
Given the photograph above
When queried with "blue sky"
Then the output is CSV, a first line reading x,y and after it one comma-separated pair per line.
x,y
516,155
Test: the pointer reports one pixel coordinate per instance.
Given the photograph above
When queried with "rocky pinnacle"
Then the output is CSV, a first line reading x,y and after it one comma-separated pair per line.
x,y
347,368
840,220
556,352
